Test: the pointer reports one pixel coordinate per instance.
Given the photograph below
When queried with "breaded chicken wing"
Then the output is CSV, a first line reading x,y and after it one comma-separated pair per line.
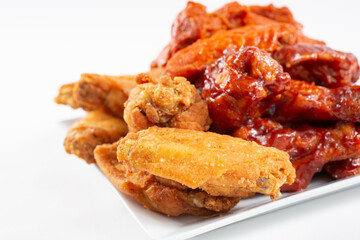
x,y
95,129
218,164
100,92
165,102
156,193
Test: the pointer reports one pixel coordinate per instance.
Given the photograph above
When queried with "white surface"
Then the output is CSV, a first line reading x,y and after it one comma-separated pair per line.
x,y
45,193
159,226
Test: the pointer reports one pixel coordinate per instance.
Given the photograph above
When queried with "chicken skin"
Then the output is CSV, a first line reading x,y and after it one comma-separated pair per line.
x,y
158,194
236,85
343,169
319,64
309,147
194,23
165,102
192,60
100,92
304,101
217,164
95,129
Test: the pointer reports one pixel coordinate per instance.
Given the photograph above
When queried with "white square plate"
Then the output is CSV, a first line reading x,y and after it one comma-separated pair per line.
x,y
158,226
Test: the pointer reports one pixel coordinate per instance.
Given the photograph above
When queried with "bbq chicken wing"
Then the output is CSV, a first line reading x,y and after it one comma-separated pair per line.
x,y
95,129
217,164
310,148
282,14
194,23
156,193
165,102
304,101
319,64
193,60
343,169
236,84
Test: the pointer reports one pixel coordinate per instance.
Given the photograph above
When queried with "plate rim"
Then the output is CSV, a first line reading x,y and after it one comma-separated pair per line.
x,y
287,201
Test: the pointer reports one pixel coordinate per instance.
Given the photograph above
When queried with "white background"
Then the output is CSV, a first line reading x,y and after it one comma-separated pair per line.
x,y
47,194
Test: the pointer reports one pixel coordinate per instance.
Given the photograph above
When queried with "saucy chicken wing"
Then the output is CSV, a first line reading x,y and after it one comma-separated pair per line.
x,y
319,64
304,101
310,148
194,23
236,84
343,169
193,60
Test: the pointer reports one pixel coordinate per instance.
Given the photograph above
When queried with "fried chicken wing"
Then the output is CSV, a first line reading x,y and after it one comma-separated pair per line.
x,y
343,169
310,148
100,92
66,96
319,64
165,102
193,59
95,129
158,194
221,165
97,92
235,85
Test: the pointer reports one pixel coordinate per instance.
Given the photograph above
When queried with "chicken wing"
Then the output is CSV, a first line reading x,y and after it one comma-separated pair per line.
x,y
236,84
310,148
97,92
193,60
194,23
282,14
343,169
218,164
319,64
158,194
304,101
100,92
95,129
165,102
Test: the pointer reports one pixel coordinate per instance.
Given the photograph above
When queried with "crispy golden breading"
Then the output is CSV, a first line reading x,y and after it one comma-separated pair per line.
x,y
66,96
100,92
97,92
218,164
159,194
95,129
165,102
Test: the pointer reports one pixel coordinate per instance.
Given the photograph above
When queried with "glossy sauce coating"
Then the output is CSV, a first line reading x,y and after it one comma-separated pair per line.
x,y
193,59
319,64
235,85
194,23
304,101
310,148
343,169
281,14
